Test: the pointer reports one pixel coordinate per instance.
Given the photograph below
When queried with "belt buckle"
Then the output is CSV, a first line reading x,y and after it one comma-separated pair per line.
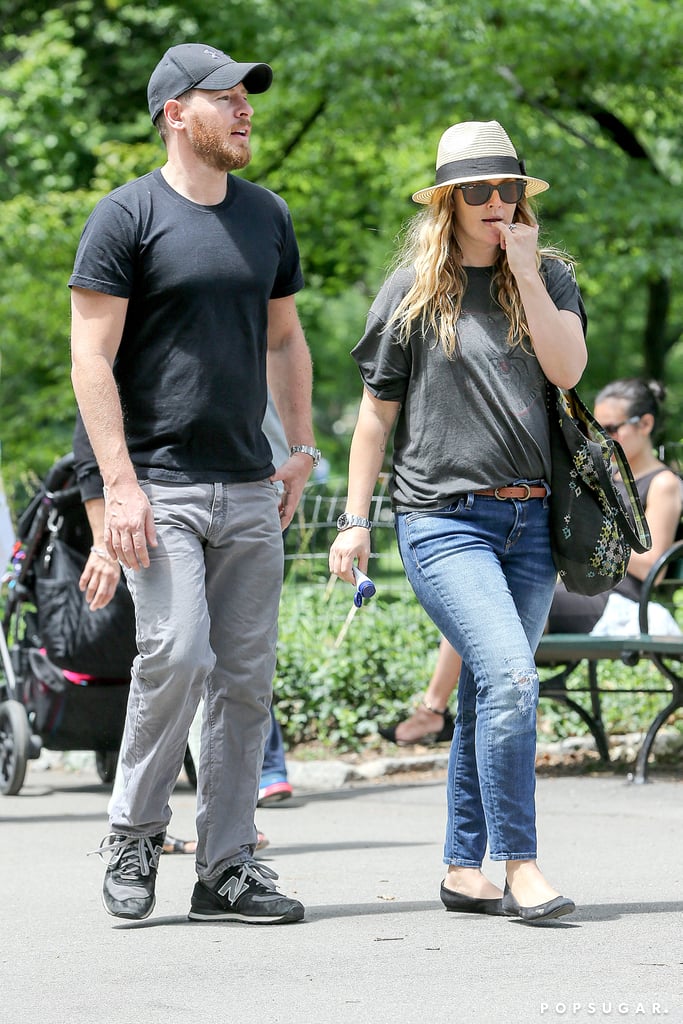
x,y
523,497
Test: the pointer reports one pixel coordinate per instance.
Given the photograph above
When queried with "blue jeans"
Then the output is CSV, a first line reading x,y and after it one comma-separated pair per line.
x,y
482,570
274,755
206,622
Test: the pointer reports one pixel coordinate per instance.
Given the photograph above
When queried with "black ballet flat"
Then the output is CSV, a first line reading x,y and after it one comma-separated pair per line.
x,y
462,904
445,734
557,907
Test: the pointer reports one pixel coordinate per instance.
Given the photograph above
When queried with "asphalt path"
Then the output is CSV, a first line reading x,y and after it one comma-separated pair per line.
x,y
376,945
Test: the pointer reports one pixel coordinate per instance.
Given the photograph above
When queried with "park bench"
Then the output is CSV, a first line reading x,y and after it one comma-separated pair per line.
x,y
561,656
568,652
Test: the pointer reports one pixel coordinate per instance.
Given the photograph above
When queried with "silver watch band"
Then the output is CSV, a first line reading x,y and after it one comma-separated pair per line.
x,y
307,449
348,519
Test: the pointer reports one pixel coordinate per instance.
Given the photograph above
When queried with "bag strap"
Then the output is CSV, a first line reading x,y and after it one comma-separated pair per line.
x,y
636,532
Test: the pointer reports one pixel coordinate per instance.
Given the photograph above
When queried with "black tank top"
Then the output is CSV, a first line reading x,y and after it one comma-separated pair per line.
x,y
630,586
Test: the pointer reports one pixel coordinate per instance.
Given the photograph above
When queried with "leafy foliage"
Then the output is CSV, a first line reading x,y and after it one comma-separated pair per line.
x,y
361,94
335,687
334,694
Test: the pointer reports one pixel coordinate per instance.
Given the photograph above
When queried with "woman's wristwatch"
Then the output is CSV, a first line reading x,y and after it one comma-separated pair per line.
x,y
347,520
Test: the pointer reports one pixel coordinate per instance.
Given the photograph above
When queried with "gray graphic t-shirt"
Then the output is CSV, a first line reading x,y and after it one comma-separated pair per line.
x,y
474,421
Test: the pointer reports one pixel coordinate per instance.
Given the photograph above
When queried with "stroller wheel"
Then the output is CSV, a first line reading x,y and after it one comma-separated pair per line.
x,y
105,762
15,742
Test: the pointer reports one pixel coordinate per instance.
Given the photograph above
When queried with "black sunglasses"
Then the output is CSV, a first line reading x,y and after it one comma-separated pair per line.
x,y
477,193
614,428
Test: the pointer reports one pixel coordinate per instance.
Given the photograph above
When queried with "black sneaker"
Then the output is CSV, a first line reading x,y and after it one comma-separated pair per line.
x,y
245,892
128,889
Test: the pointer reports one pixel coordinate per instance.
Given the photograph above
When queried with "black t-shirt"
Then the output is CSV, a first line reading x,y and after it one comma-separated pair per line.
x,y
191,367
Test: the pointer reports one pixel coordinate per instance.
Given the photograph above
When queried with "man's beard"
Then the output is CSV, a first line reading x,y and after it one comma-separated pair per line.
x,y
215,148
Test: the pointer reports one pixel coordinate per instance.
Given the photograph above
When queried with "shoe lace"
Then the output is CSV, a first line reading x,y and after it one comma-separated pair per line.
x,y
132,856
251,869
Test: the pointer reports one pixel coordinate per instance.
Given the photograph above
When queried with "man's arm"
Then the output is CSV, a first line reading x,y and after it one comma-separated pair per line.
x,y
290,379
96,331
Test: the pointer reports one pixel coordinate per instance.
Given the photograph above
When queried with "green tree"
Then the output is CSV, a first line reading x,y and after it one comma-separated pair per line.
x,y
590,93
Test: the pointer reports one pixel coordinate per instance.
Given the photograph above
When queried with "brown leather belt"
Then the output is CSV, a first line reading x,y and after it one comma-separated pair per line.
x,y
522,492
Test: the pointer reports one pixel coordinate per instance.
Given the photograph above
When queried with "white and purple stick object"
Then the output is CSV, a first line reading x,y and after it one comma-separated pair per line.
x,y
365,588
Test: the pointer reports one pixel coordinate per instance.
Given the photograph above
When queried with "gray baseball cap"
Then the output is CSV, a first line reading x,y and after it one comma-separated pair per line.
x,y
196,66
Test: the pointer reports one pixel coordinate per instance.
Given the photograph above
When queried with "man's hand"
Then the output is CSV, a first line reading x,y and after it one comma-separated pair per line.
x,y
293,473
129,525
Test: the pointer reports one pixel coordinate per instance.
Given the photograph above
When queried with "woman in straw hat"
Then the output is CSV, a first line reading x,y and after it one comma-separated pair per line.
x,y
457,349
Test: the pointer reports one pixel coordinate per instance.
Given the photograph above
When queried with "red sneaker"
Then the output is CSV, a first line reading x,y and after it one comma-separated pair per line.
x,y
274,792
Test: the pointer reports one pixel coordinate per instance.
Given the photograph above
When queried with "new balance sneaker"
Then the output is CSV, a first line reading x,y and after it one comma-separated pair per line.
x,y
130,878
273,789
245,892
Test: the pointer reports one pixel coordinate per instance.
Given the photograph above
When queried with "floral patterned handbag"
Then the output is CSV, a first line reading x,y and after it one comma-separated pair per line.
x,y
592,532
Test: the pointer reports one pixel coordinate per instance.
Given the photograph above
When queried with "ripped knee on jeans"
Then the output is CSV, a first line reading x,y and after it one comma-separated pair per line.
x,y
526,683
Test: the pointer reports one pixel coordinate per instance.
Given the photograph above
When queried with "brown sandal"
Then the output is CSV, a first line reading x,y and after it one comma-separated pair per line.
x,y
430,736
173,845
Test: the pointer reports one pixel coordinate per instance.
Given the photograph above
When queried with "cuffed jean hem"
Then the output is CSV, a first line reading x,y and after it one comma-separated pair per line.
x,y
513,856
462,863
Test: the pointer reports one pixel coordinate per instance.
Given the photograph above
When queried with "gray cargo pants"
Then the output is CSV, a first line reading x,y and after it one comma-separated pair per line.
x,y
206,620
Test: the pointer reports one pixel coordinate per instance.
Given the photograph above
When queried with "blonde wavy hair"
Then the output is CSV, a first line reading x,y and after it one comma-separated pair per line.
x,y
435,298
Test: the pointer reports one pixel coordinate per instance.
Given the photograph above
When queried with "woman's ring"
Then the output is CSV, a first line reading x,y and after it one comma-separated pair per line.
x,y
512,227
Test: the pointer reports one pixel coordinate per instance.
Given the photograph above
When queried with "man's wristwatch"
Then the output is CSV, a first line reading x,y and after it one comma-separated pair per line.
x,y
307,449
347,520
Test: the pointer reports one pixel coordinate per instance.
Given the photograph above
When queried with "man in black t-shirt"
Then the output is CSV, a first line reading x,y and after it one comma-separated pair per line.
x,y
183,308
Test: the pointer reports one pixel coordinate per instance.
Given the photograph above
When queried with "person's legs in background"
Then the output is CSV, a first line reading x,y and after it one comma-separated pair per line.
x,y
274,785
574,613
432,721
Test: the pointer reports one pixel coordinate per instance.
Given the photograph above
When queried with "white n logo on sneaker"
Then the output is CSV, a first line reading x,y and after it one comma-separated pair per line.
x,y
234,887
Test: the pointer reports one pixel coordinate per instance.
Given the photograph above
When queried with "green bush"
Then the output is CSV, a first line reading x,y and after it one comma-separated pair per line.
x,y
331,687
336,680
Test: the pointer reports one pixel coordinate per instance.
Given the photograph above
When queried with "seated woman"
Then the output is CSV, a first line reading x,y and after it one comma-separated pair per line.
x,y
629,411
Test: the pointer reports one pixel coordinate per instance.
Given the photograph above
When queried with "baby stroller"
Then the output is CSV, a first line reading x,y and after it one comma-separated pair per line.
x,y
65,670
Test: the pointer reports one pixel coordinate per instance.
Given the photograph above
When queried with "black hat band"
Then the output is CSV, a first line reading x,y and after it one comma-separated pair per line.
x,y
493,166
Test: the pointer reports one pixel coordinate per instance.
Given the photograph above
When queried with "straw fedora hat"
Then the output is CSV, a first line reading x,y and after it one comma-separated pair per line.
x,y
477,151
